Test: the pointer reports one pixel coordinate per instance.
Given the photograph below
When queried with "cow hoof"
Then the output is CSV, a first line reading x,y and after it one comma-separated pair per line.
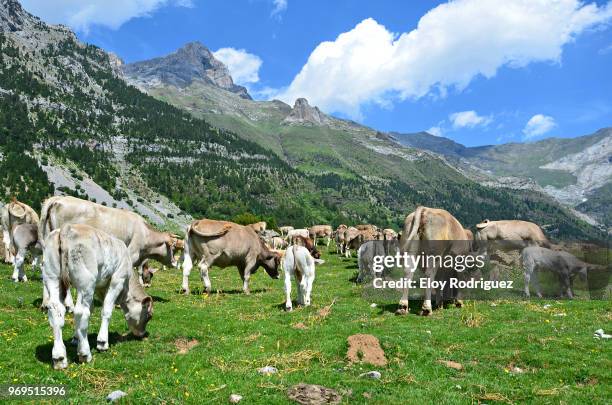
x,y
288,309
425,312
85,358
74,341
185,291
401,311
69,310
102,346
60,363
459,304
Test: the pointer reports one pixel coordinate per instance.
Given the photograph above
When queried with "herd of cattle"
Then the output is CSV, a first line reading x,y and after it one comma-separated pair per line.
x,y
94,249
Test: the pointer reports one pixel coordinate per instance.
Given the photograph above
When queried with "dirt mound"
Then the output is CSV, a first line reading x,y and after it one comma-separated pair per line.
x,y
365,348
183,345
310,394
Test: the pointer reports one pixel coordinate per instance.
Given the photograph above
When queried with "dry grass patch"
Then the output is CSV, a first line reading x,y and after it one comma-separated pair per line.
x,y
184,345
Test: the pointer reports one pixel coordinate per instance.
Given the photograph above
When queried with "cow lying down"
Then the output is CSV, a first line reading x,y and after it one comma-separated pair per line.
x,y
92,262
564,264
299,262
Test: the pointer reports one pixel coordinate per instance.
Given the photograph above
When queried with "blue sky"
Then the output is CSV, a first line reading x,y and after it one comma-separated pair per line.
x,y
476,72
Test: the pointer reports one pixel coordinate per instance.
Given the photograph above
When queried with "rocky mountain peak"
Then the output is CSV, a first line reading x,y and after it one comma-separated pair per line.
x,y
14,18
191,62
304,113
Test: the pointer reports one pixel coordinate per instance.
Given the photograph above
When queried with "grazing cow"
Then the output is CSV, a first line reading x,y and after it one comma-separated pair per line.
x,y
142,240
223,243
25,238
296,232
339,238
308,244
258,227
299,262
389,234
16,213
349,234
353,240
512,231
93,262
285,229
320,231
365,259
434,232
278,243
565,265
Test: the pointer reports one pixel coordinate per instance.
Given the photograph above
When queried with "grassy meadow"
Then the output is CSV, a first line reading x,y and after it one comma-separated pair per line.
x,y
202,348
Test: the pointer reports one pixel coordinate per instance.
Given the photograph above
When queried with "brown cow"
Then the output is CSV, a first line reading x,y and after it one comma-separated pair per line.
x,y
423,226
339,238
15,213
223,243
367,227
512,230
320,231
258,226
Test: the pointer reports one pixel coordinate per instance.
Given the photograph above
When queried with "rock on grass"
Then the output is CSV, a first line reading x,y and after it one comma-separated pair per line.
x,y
310,394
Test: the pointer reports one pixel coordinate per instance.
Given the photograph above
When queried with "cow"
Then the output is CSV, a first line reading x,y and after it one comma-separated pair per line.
x,y
223,243
308,244
278,243
93,262
285,229
299,262
142,240
389,234
565,265
365,259
512,231
435,232
296,232
25,238
367,227
349,234
16,213
320,231
339,238
353,240
258,227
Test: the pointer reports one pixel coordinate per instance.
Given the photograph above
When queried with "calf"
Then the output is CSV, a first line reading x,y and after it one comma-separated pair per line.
x,y
92,261
25,238
565,265
308,244
299,263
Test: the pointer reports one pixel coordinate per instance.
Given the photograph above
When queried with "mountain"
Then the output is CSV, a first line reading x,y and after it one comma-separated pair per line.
x,y
571,170
70,123
192,61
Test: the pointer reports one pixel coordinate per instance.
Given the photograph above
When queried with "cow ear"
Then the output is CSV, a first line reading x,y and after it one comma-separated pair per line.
x,y
153,270
148,301
319,261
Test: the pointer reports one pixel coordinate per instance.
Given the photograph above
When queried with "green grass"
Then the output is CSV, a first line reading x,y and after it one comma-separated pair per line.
x,y
238,334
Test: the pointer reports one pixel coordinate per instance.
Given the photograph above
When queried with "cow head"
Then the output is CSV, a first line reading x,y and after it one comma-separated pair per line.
x,y
270,261
163,250
137,308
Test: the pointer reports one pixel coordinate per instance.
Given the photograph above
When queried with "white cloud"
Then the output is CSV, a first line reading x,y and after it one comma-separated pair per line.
x,y
243,66
435,131
278,7
453,43
468,119
538,125
82,14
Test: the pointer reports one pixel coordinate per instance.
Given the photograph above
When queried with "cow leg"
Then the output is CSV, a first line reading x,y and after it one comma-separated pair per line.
x,y
8,254
300,290
187,265
536,283
427,309
82,312
309,281
245,275
56,315
204,275
115,288
288,305
18,262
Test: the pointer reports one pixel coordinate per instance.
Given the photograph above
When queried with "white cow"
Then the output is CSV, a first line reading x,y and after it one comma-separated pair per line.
x,y
92,261
296,232
301,264
284,229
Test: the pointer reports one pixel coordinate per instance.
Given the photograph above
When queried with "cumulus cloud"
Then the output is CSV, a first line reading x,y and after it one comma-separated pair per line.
x,y
243,66
435,131
538,125
452,44
468,119
82,14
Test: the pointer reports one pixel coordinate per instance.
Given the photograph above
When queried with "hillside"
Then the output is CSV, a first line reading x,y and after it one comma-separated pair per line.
x,y
69,124
571,170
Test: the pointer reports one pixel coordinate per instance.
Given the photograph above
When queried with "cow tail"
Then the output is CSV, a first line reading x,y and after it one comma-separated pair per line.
x,y
44,226
187,249
63,265
416,223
